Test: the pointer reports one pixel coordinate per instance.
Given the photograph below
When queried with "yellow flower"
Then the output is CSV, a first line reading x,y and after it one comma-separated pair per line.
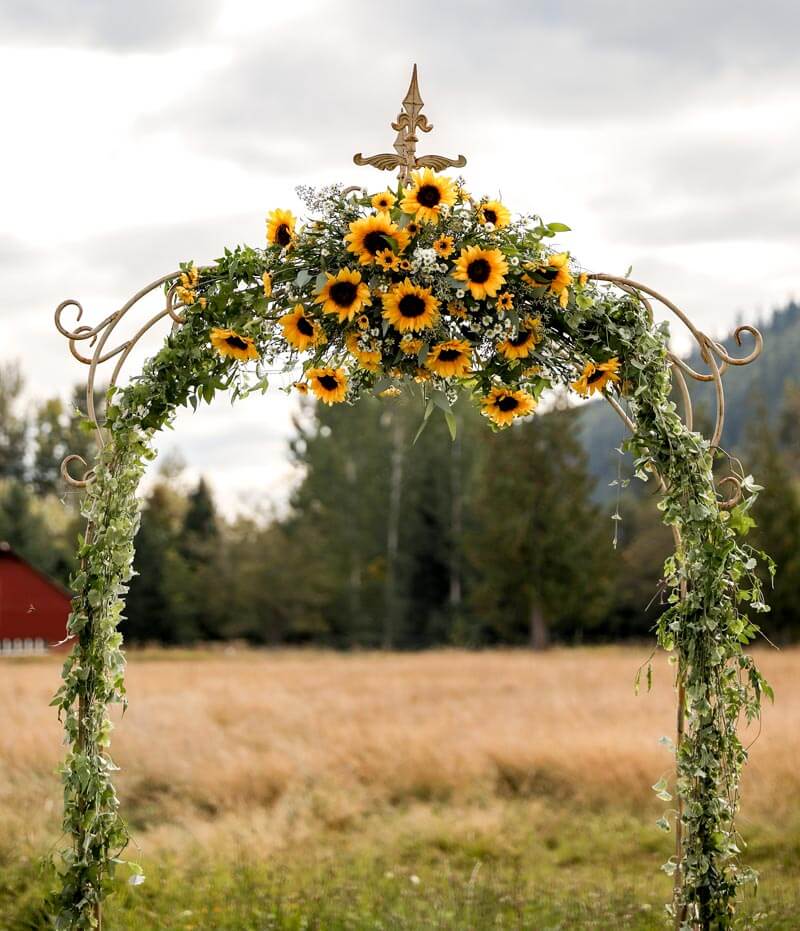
x,y
280,228
502,405
427,195
203,302
328,384
368,359
230,343
299,330
505,301
422,375
387,260
412,228
371,235
523,344
595,376
444,246
410,308
300,386
555,275
190,278
410,346
582,279
185,295
450,358
492,211
343,294
457,310
363,322
266,280
383,201
405,265
484,271
391,392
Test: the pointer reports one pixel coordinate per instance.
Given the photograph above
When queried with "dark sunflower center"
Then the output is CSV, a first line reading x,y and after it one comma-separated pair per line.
x,y
595,376
449,355
429,195
507,403
374,241
411,305
328,382
520,339
343,293
236,342
283,235
479,270
304,327
490,216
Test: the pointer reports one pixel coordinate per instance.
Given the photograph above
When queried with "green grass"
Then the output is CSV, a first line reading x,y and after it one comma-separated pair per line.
x,y
532,866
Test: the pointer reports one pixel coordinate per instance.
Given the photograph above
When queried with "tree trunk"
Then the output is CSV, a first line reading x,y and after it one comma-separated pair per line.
x,y
393,533
539,632
456,524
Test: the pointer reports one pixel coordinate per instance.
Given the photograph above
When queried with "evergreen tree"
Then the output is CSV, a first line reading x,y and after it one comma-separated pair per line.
x,y
542,551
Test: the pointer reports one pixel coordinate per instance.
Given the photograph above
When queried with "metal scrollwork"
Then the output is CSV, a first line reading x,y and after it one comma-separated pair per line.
x,y
713,354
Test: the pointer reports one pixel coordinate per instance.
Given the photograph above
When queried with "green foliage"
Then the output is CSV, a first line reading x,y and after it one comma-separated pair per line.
x,y
711,582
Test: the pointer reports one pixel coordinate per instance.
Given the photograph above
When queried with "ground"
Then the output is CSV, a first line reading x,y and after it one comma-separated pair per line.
x,y
445,790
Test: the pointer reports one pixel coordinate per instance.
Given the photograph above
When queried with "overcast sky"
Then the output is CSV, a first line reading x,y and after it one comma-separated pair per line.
x,y
138,134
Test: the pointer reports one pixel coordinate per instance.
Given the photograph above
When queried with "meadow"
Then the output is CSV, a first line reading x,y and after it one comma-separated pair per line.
x,y
449,789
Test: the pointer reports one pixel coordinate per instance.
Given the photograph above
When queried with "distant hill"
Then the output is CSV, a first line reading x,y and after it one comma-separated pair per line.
x,y
748,389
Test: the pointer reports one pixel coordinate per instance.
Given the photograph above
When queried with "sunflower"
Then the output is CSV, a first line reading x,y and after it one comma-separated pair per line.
x,y
405,265
368,359
505,301
383,201
410,346
555,275
328,384
300,386
484,270
280,228
521,345
230,343
427,195
452,357
457,309
412,228
502,405
371,235
595,376
408,307
299,330
266,281
343,294
387,260
444,246
495,213
363,322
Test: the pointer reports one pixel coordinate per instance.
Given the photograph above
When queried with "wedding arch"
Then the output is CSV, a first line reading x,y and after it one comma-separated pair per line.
x,y
425,287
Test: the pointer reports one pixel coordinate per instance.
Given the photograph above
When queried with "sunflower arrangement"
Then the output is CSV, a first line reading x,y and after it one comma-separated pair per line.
x,y
421,287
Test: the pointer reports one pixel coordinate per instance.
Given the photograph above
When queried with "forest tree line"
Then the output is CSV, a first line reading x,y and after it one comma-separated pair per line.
x,y
493,538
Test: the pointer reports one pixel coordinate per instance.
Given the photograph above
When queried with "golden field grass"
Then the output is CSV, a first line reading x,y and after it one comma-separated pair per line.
x,y
273,756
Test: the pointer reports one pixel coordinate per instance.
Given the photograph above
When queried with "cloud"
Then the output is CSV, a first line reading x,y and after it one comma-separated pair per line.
x,y
109,24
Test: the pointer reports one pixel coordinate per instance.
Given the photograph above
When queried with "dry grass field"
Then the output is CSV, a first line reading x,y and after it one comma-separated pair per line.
x,y
482,767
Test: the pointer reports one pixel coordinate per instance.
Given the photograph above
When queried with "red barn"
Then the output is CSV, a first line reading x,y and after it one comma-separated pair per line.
x,y
33,608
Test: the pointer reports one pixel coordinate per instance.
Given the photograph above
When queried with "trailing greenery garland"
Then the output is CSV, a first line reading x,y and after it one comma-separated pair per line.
x,y
439,293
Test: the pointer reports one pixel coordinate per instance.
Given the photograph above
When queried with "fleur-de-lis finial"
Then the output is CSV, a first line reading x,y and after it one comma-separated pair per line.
x,y
409,120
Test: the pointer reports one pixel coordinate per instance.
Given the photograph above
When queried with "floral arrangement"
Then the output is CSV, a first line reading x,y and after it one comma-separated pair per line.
x,y
422,285
429,289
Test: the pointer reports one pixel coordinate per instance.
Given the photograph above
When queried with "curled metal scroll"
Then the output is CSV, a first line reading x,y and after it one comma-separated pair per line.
x,y
713,354
101,339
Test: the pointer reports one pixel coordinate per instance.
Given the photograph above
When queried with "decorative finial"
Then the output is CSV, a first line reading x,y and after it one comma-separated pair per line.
x,y
409,120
